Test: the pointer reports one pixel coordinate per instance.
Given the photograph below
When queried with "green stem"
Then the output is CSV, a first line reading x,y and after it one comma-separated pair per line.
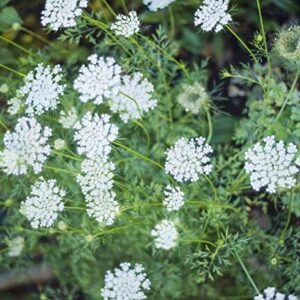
x,y
153,44
200,242
3,125
246,272
36,35
210,126
109,8
66,155
212,186
12,70
264,35
287,98
137,154
124,6
16,45
74,208
145,131
242,43
59,170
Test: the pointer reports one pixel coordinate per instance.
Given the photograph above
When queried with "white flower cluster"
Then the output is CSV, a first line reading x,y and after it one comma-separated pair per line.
x,y
128,282
174,198
154,5
186,160
15,246
213,15
133,97
42,89
126,25
62,13
98,79
94,135
165,235
96,182
25,147
270,293
271,165
68,119
41,208
14,105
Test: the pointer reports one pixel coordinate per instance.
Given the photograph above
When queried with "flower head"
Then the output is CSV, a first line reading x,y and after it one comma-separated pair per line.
x,y
25,147
154,5
128,282
213,15
287,44
98,79
42,89
126,25
271,165
15,246
61,13
165,235
59,144
270,293
174,198
96,182
41,208
193,98
94,135
186,160
14,105
68,119
133,98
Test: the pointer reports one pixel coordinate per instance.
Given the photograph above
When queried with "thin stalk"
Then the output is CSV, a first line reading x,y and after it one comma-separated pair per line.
x,y
36,35
3,125
153,44
109,8
287,98
145,131
74,208
212,186
66,155
137,154
200,242
124,6
242,43
59,170
210,126
12,70
246,272
15,44
264,35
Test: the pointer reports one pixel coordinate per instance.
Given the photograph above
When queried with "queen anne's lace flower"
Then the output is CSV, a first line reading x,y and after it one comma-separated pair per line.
x,y
62,13
128,282
14,106
213,15
68,119
94,135
165,235
186,160
126,25
271,165
193,98
59,144
43,205
25,147
98,79
15,246
154,5
42,89
96,182
174,198
270,293
133,97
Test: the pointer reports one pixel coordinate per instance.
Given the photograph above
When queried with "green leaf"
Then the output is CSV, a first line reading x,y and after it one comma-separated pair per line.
x,y
8,16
